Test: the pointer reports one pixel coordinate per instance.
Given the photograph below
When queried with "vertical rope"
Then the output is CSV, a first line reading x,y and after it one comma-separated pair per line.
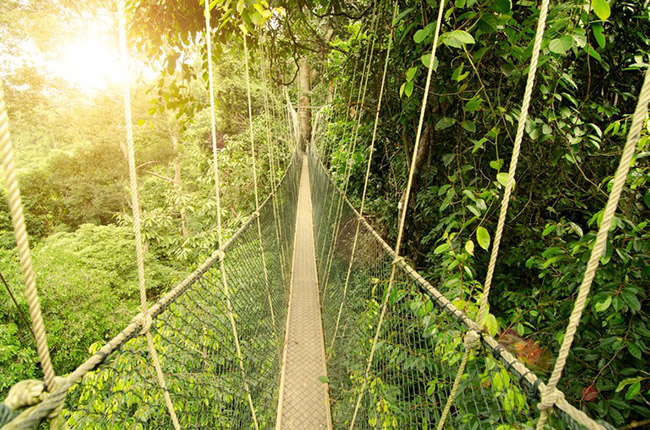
x,y
272,172
402,219
222,268
366,179
521,126
257,201
361,98
22,242
549,395
484,304
135,204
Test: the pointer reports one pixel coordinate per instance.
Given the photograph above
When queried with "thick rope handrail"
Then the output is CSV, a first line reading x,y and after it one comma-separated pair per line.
x,y
633,136
523,115
255,192
22,242
217,184
135,207
136,325
402,219
503,355
367,177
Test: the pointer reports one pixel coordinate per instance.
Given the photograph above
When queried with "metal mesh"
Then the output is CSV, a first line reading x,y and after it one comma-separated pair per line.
x,y
194,338
420,344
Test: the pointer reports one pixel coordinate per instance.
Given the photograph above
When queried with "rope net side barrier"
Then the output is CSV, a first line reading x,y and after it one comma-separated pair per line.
x,y
191,330
421,342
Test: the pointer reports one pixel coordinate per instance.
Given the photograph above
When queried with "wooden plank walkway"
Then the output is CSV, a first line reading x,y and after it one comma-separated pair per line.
x,y
304,399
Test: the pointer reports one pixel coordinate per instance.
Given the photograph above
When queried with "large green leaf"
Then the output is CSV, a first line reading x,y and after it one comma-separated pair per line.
x,y
561,45
483,238
457,38
445,123
601,9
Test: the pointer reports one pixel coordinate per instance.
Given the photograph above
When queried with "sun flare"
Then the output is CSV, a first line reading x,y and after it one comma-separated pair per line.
x,y
90,64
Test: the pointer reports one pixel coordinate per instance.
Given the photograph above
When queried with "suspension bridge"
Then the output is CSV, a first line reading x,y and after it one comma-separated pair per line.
x,y
305,318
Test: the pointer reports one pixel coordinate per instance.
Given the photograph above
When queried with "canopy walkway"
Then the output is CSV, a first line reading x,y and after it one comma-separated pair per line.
x,y
305,318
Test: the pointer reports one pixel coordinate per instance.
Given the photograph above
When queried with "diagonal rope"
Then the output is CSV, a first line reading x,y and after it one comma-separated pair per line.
x,y
18,309
402,219
222,268
550,394
257,200
135,204
471,340
530,82
366,179
361,98
272,172
22,242
347,107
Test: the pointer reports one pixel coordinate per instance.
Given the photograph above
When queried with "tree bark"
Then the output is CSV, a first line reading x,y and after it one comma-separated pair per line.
x,y
178,179
304,105
420,158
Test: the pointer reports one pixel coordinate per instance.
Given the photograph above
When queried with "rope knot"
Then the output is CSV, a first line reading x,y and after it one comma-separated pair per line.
x,y
145,321
472,340
398,260
35,403
550,396
256,214
25,393
220,254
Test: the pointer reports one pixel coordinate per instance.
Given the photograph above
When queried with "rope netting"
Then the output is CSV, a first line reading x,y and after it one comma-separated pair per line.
x,y
420,344
192,334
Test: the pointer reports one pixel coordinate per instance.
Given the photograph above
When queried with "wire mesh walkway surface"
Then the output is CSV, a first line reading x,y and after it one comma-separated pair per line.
x,y
304,400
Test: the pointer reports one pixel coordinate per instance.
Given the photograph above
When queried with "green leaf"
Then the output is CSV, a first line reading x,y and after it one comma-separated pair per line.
x,y
441,248
457,38
444,123
483,238
591,51
408,89
324,379
502,6
627,381
598,31
502,178
410,73
561,45
631,300
469,247
426,59
469,126
473,104
634,350
496,164
601,9
603,305
491,324
633,391
423,33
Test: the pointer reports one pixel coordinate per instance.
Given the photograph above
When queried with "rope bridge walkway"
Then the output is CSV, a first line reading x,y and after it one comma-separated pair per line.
x,y
305,318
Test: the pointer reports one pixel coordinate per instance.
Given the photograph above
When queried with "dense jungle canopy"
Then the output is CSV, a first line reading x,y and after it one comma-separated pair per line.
x,y
58,64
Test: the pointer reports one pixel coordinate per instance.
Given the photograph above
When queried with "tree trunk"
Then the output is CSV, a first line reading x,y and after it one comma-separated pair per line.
x,y
178,180
304,105
420,158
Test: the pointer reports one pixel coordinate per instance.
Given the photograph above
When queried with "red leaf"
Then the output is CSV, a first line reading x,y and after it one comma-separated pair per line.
x,y
589,394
